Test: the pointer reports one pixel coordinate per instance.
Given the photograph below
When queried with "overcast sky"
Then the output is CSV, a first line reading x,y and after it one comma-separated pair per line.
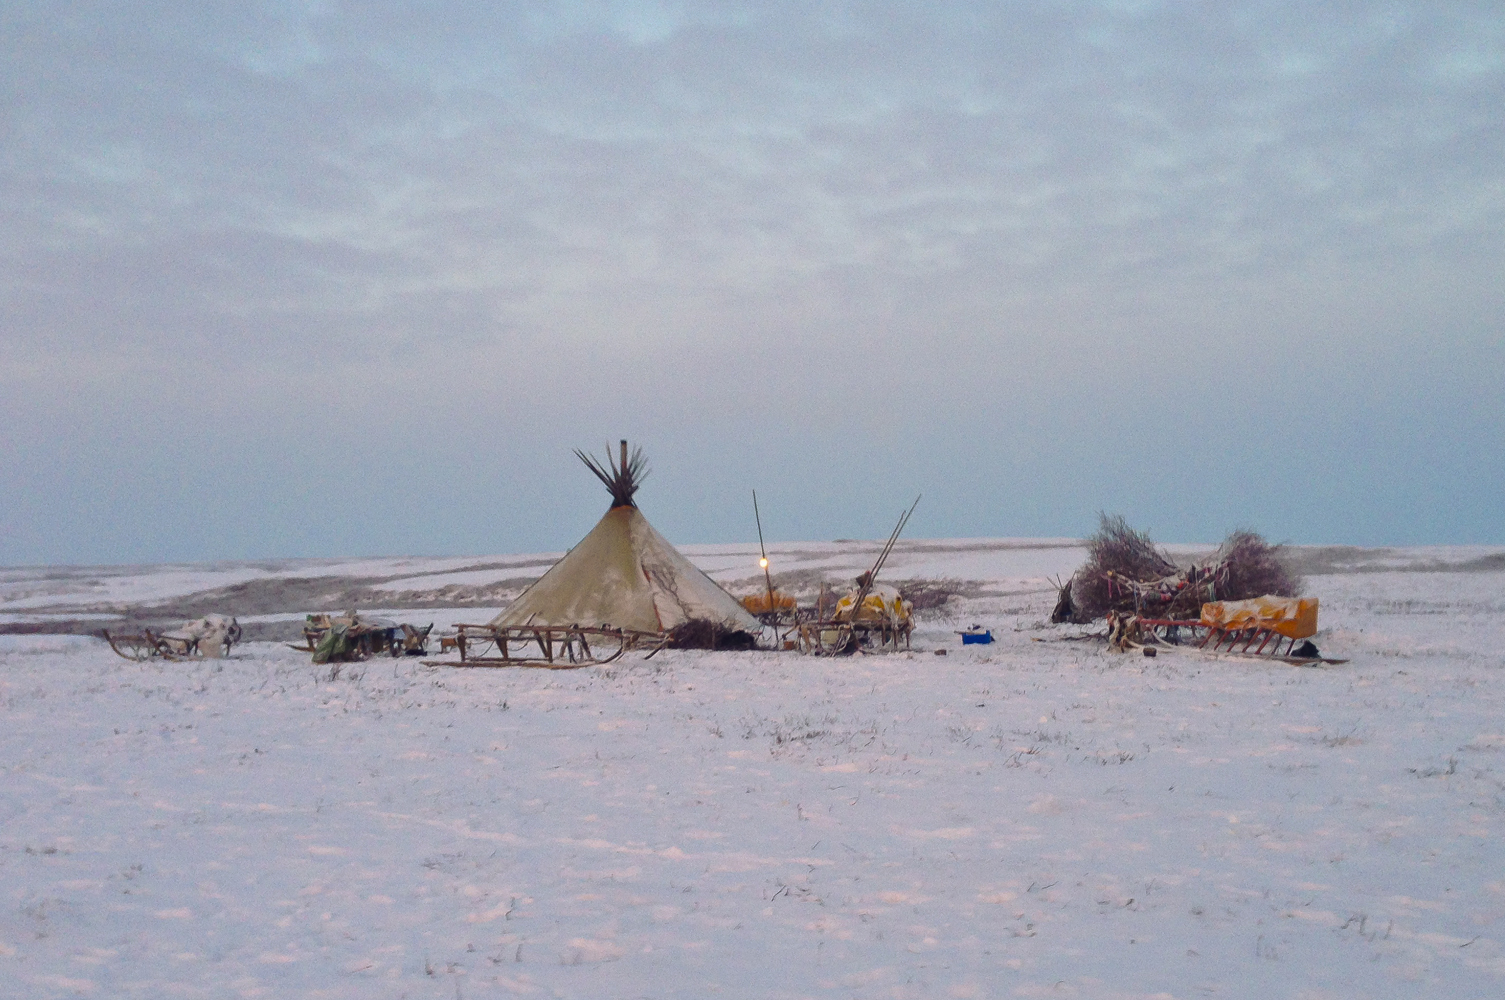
x,y
341,279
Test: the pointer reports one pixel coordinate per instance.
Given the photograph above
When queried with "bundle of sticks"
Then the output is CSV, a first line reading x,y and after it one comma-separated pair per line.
x,y
1127,573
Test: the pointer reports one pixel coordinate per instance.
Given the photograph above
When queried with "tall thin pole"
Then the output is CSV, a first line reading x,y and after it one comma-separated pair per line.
x,y
872,574
624,454
763,552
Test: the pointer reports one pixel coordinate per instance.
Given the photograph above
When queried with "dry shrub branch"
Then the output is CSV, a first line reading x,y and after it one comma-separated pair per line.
x,y
925,596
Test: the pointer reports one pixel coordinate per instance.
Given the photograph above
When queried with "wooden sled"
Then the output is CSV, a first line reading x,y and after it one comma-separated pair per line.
x,y
1255,642
146,645
554,647
366,637
832,638
149,645
859,629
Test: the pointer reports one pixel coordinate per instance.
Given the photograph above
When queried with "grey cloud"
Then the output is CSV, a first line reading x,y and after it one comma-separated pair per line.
x,y
647,210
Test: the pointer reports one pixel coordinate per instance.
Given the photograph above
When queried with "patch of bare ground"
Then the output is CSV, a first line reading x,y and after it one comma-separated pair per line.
x,y
1333,560
283,595
929,598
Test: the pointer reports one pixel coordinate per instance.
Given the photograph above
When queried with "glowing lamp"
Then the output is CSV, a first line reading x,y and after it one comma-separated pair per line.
x,y
762,563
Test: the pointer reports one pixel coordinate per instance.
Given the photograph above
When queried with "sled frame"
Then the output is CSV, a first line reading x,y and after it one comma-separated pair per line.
x,y
832,638
554,647
1214,639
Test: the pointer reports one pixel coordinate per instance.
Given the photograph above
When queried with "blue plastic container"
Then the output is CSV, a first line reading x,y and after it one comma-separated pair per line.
x,y
977,638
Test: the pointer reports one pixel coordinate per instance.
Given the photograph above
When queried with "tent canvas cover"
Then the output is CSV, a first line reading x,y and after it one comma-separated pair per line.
x,y
624,573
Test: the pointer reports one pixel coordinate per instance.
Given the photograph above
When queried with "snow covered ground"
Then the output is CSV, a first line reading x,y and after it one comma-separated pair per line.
x,y
1038,817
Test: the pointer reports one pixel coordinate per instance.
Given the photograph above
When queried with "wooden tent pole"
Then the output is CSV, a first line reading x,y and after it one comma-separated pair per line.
x,y
763,552
872,574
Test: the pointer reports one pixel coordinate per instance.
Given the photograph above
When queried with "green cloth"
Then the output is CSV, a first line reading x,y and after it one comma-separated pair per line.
x,y
336,645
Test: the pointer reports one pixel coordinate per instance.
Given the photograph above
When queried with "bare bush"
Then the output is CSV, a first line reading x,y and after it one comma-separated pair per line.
x,y
1115,550
926,596
1255,568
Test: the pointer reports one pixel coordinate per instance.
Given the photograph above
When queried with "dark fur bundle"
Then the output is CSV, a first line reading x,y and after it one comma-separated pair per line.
x,y
699,633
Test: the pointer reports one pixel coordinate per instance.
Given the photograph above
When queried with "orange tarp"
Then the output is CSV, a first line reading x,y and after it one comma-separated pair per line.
x,y
1292,617
758,603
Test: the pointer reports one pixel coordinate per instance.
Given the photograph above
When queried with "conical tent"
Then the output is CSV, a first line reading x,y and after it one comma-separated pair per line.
x,y
624,574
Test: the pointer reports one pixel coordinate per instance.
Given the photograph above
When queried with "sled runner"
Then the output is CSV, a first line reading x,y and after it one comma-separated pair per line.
x,y
556,647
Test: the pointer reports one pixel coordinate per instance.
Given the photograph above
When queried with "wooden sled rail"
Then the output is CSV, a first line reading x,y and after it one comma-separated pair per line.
x,y
554,647
146,645
1213,639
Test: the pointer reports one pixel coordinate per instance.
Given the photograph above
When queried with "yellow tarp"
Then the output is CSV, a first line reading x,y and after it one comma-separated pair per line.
x,y
881,604
1292,617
